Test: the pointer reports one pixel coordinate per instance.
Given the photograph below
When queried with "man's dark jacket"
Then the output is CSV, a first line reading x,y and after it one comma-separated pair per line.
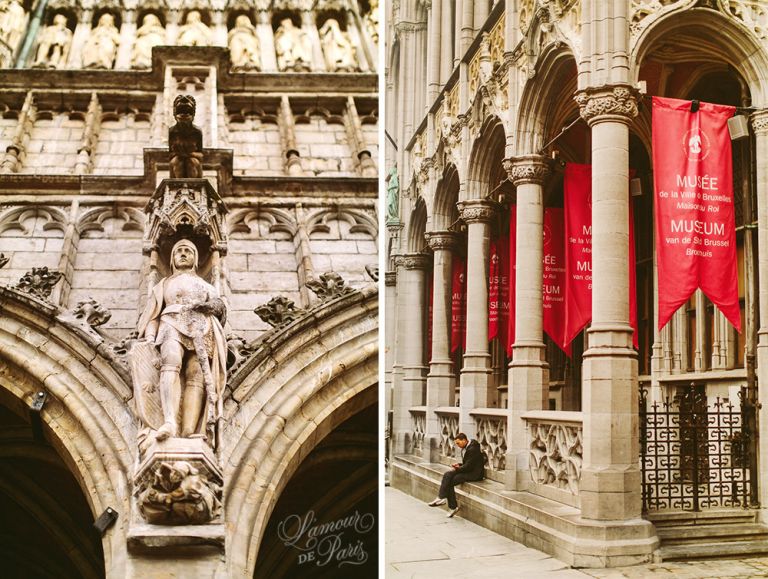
x,y
473,463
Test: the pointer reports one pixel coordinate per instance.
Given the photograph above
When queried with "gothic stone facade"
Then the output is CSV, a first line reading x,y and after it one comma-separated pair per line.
x,y
286,98
504,94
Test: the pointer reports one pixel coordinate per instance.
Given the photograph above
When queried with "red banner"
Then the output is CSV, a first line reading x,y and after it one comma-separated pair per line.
x,y
693,206
503,244
458,304
493,289
510,333
553,277
577,191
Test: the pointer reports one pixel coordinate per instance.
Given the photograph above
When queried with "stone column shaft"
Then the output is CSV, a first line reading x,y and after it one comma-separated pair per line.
x,y
266,42
411,325
446,46
528,370
610,478
433,51
441,380
760,126
475,383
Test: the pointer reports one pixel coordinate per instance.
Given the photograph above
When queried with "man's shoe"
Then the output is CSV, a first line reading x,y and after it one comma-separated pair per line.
x,y
437,502
452,512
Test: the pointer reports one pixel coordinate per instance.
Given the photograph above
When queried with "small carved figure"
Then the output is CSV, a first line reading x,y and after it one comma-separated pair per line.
x,y
12,20
338,50
393,190
185,140
183,319
244,45
55,42
195,32
149,35
292,47
101,48
179,495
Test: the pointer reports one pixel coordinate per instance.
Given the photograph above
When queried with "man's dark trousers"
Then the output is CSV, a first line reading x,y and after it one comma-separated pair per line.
x,y
450,480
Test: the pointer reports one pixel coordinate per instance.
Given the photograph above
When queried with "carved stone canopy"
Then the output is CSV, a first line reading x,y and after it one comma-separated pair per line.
x,y
185,206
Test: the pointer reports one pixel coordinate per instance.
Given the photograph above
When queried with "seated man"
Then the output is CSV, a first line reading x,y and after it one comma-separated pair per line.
x,y
470,469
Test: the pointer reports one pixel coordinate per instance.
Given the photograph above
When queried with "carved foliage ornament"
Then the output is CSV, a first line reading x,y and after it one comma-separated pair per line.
x,y
39,282
330,285
760,122
618,101
279,311
437,240
413,261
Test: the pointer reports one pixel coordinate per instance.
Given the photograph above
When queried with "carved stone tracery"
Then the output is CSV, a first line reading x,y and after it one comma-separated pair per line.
x,y
556,455
492,436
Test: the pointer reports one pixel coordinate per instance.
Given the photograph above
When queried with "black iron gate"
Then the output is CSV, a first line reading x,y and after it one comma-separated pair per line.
x,y
697,454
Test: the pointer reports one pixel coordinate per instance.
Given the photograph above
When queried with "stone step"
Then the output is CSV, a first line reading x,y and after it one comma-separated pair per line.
x,y
700,533
706,517
712,550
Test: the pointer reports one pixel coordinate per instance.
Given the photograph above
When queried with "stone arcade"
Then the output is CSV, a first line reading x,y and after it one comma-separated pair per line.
x,y
610,456
188,306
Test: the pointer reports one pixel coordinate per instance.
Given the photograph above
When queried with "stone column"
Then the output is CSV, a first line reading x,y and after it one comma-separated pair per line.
x,y
433,51
127,39
441,380
446,46
410,326
760,126
309,25
528,370
610,478
475,386
266,41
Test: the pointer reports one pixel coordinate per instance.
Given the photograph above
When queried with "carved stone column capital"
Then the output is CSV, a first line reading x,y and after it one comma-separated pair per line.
x,y
610,102
414,260
759,121
477,210
527,169
445,240
390,278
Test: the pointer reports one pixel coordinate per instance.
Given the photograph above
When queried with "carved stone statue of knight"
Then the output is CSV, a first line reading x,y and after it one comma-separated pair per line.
x,y
180,365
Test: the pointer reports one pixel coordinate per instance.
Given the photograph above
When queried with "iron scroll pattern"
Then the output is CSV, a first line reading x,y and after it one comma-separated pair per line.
x,y
694,454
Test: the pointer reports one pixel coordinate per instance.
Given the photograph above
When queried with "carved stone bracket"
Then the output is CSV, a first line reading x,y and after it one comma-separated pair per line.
x,y
279,311
179,483
330,285
527,169
442,240
617,102
477,210
39,282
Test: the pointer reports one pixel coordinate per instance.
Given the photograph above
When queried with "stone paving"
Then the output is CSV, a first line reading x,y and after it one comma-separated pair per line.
x,y
421,543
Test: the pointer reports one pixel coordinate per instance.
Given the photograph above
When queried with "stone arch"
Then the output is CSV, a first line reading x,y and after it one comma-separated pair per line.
x,y
417,226
85,416
485,168
444,210
712,36
547,103
284,410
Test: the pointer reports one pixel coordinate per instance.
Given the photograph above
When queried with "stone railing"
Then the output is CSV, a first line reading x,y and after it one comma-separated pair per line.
x,y
555,453
491,433
449,428
418,428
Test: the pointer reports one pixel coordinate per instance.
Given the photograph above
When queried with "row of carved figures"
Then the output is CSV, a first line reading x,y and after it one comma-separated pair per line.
x,y
292,44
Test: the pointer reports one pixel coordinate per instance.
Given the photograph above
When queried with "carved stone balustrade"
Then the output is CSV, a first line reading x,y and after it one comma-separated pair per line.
x,y
555,443
449,428
491,433
419,429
